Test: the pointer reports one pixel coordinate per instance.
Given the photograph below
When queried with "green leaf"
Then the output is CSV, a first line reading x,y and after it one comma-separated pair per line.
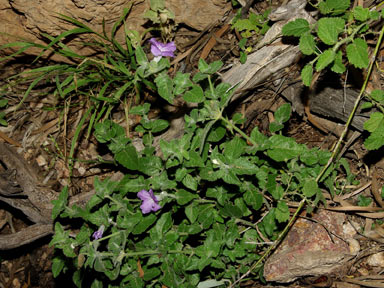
x,y
195,160
144,224
283,148
273,188
192,211
151,273
98,284
274,127
2,121
128,157
357,53
150,165
374,141
140,109
156,67
310,188
376,120
309,157
360,13
169,277
230,210
165,87
190,182
100,217
378,96
243,24
162,182
3,103
325,59
209,68
329,29
338,66
234,148
132,185
269,223
296,28
84,235
134,281
60,203
243,56
334,6
210,283
195,95
307,44
159,125
183,197
57,266
375,15
366,105
157,5
253,199
243,166
283,113
216,134
199,77
141,58
128,221
306,75
219,193
224,92
163,224
151,15
363,201
104,188
375,125
282,212
107,130
181,82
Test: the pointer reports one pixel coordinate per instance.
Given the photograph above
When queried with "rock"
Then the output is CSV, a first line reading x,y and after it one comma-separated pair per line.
x,y
376,259
309,249
27,20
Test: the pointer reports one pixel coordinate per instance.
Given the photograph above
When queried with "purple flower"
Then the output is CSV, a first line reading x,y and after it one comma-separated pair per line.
x,y
99,233
150,201
161,49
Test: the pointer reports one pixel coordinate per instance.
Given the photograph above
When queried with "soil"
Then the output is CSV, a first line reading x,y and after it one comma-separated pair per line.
x,y
30,265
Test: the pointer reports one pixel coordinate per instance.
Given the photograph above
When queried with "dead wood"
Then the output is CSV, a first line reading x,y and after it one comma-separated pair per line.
x,y
335,104
21,189
25,236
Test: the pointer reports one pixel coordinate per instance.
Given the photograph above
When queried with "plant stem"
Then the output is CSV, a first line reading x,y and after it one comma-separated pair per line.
x,y
357,101
245,222
238,130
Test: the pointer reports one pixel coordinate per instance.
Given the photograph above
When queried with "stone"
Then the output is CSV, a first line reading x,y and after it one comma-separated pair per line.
x,y
20,19
309,249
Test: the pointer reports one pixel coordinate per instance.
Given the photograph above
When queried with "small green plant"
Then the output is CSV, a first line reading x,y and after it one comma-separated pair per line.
x,y
337,34
199,214
337,39
364,201
375,124
162,17
3,104
252,27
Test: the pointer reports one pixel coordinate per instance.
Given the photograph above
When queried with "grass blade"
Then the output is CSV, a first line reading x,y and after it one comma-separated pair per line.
x,y
62,36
